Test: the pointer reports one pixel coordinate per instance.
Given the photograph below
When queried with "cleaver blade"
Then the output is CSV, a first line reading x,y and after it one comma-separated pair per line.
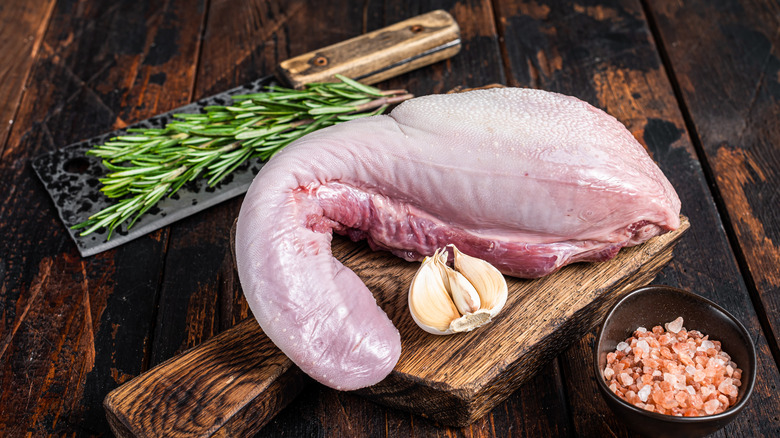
x,y
71,177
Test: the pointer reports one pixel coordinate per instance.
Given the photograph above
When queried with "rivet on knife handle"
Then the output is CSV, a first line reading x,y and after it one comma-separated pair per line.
x,y
379,55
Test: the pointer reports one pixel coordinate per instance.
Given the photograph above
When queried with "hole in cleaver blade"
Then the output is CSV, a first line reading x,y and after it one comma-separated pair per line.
x,y
72,180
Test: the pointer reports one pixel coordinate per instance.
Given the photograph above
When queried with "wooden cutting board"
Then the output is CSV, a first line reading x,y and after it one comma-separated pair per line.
x,y
237,381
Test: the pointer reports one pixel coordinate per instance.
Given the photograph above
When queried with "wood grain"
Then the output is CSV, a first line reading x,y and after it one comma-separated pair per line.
x,y
74,328
22,25
605,53
234,382
453,380
728,73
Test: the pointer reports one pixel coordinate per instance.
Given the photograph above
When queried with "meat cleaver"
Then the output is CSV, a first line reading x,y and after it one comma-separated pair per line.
x,y
71,177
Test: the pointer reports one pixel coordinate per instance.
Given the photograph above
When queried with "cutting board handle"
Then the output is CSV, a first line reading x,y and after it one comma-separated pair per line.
x,y
378,55
230,385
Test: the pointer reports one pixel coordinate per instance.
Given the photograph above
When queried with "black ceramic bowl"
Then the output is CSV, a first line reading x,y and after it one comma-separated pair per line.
x,y
655,305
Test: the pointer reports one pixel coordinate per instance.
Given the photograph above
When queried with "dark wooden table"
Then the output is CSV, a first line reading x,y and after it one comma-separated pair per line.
x,y
696,81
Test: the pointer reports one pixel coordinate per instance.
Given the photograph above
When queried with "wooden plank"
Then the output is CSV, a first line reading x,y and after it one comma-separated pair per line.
x,y
725,57
73,328
533,410
205,390
22,25
603,52
452,380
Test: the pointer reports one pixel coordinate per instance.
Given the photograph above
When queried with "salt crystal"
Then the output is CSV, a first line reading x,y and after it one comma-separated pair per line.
x,y
705,345
679,347
644,346
644,393
671,378
626,379
727,388
675,326
690,390
641,330
711,406
690,369
608,373
696,401
669,402
622,346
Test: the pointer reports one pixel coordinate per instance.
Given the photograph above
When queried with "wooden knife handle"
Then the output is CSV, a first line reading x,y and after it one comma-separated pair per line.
x,y
380,54
230,385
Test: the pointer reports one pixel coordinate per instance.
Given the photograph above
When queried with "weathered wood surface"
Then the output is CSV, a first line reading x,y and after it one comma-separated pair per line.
x,y
728,75
21,31
695,81
233,384
452,380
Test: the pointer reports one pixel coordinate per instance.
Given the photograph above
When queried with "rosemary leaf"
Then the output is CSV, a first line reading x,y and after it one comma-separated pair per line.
x,y
148,164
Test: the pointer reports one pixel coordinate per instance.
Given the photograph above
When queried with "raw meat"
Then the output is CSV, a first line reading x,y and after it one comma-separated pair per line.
x,y
526,179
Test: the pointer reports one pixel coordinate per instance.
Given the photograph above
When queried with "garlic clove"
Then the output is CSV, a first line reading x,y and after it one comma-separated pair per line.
x,y
486,279
429,301
443,300
463,293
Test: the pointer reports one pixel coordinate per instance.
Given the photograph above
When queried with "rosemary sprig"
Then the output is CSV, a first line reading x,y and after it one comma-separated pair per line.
x,y
148,164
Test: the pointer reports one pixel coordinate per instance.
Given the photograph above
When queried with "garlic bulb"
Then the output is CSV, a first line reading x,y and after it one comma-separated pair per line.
x,y
443,300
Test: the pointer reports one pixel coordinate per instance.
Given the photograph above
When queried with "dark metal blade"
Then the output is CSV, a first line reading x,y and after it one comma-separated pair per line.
x,y
71,179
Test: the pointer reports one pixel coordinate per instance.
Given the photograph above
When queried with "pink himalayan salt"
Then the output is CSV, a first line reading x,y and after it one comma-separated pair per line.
x,y
675,372
675,326
644,393
711,406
